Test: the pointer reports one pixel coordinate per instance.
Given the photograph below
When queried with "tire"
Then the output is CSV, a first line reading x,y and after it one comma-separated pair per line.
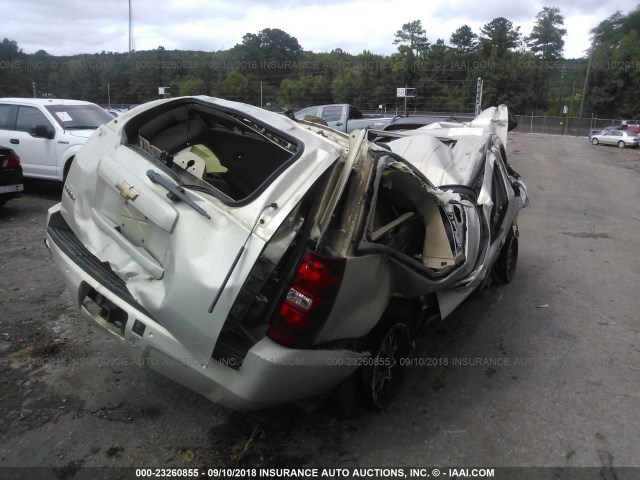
x,y
621,144
594,141
381,378
505,267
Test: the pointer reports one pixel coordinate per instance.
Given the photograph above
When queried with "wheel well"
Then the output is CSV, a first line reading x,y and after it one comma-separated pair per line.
x,y
67,166
414,313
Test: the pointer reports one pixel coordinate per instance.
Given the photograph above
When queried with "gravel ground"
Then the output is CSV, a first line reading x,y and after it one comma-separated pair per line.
x,y
557,384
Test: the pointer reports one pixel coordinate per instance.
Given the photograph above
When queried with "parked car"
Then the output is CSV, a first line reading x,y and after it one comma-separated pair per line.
x,y
621,138
630,127
343,117
114,112
48,133
259,260
599,131
10,175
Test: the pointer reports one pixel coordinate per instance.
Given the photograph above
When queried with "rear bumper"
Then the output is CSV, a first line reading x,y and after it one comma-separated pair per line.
x,y
11,183
270,374
9,189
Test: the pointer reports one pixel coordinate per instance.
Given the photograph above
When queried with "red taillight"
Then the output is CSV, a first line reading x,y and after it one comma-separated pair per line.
x,y
308,301
11,161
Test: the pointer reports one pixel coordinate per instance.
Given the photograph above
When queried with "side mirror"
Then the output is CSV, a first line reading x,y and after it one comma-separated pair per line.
x,y
43,131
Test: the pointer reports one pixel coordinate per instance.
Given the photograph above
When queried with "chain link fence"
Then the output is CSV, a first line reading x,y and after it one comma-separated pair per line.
x,y
561,125
538,123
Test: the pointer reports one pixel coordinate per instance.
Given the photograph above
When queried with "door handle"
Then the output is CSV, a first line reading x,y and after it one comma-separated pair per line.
x,y
14,141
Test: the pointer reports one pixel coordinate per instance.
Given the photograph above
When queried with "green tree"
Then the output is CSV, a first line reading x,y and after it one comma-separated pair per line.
x,y
236,86
13,80
9,50
271,51
464,40
412,39
546,44
346,87
614,89
306,90
506,83
192,85
546,40
499,35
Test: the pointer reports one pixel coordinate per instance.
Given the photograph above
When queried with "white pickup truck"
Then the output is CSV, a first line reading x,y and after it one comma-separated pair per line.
x,y
46,134
343,117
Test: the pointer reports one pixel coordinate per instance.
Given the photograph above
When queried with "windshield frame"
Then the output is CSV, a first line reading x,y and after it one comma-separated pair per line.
x,y
81,117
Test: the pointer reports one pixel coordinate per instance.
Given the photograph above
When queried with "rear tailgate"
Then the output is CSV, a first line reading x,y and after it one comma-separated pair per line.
x,y
173,259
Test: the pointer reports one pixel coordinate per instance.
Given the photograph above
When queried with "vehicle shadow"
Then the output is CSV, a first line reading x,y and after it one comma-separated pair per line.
x,y
45,189
324,431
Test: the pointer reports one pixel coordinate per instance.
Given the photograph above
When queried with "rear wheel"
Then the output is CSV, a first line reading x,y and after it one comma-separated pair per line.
x,y
505,267
594,141
621,144
382,377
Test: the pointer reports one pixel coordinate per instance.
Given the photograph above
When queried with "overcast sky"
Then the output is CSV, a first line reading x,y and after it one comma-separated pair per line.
x,y
67,27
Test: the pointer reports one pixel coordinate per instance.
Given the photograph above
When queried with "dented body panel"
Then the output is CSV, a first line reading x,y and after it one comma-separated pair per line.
x,y
236,251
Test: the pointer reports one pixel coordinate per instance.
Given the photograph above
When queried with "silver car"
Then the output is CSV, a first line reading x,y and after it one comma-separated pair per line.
x,y
621,138
260,260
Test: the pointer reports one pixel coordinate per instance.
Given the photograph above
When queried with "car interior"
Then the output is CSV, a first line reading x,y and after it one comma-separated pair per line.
x,y
407,218
203,145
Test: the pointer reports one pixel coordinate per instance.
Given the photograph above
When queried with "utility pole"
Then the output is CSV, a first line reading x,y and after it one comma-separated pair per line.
x,y
584,89
560,93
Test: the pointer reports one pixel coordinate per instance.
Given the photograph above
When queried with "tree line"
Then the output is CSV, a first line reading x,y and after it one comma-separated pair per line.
x,y
270,68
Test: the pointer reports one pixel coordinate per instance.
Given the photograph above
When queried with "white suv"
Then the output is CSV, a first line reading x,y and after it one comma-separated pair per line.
x,y
259,260
47,133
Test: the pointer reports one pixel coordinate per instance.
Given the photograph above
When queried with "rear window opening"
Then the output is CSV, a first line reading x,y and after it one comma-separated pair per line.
x,y
208,146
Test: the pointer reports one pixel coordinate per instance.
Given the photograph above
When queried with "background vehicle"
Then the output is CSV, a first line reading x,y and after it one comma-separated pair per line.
x,y
10,175
599,131
620,138
343,117
115,112
630,127
47,133
259,260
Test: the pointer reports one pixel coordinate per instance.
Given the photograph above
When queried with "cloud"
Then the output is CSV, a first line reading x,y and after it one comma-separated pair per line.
x,y
79,26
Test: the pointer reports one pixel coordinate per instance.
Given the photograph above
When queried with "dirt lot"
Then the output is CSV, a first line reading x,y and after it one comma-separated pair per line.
x,y
541,372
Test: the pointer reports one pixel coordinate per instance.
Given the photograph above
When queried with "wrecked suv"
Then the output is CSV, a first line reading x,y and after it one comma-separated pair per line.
x,y
258,260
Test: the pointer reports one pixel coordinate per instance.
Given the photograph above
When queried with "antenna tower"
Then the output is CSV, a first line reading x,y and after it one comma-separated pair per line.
x,y
132,41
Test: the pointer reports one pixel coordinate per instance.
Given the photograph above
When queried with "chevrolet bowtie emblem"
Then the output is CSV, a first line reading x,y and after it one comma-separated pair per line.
x,y
126,190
